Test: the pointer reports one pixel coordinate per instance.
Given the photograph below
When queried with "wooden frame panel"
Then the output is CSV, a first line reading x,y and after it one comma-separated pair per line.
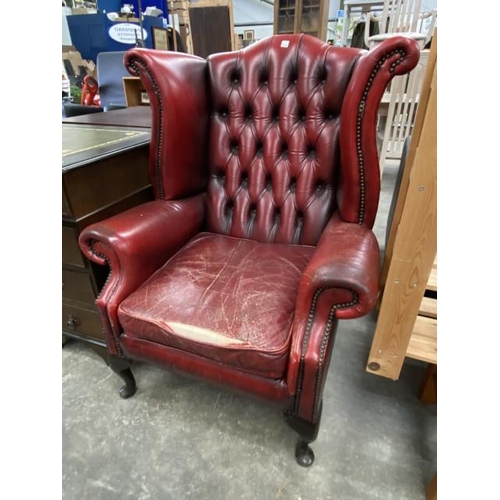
x,y
411,249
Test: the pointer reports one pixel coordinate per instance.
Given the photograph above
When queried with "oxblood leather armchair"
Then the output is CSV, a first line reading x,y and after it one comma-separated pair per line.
x,y
265,173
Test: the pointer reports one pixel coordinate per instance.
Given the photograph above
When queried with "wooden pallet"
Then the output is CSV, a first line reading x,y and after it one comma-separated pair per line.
x,y
423,340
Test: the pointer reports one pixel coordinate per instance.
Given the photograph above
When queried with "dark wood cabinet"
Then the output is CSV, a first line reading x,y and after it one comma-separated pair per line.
x,y
104,172
301,16
211,28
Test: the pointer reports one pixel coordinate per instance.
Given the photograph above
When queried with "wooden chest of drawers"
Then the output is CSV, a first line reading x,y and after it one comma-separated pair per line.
x,y
104,173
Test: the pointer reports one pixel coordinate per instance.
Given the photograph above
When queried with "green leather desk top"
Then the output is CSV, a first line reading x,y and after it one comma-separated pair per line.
x,y
82,144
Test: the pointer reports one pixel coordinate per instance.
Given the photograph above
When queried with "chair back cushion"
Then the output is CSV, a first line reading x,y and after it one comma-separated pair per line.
x,y
284,130
274,138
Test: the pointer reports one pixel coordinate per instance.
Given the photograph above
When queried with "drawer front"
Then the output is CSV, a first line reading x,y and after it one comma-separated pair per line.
x,y
84,321
77,286
106,180
71,253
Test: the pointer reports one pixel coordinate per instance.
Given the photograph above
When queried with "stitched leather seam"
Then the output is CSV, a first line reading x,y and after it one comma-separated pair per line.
x,y
322,353
105,257
305,343
137,64
359,120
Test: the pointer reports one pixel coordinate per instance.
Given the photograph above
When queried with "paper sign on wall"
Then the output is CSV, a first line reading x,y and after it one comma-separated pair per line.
x,y
127,33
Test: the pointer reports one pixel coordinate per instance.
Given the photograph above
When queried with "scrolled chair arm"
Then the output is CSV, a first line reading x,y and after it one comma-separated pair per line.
x,y
341,281
134,244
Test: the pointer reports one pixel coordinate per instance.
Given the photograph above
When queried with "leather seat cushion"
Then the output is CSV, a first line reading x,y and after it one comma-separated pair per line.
x,y
228,299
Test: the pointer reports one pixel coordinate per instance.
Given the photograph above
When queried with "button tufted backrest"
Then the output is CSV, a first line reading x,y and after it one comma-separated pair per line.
x,y
274,138
284,131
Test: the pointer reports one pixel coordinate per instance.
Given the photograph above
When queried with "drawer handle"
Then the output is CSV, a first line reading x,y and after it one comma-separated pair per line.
x,y
72,322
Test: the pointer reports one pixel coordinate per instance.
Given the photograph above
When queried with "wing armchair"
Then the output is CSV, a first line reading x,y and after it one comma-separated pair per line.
x,y
266,179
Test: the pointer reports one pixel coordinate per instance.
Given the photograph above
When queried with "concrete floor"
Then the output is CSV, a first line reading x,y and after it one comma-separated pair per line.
x,y
179,438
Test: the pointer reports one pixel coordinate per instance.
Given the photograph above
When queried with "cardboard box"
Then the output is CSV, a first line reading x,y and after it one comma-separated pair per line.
x,y
75,66
83,10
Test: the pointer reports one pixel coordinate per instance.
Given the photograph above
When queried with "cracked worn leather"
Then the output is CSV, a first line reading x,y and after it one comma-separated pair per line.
x,y
224,298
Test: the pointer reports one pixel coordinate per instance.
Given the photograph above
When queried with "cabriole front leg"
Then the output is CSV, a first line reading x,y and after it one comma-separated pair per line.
x,y
308,432
122,368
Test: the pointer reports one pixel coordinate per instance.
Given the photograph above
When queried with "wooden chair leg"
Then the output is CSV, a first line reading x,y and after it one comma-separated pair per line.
x,y
122,368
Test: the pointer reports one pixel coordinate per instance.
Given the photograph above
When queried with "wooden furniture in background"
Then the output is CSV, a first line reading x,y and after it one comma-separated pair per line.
x,y
135,93
397,117
354,9
211,27
104,171
301,16
135,117
405,326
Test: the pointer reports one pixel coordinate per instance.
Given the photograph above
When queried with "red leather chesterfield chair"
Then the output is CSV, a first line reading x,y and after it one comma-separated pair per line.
x,y
265,172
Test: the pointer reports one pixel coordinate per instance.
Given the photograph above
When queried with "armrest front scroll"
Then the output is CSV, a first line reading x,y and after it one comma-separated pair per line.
x,y
347,257
135,244
340,282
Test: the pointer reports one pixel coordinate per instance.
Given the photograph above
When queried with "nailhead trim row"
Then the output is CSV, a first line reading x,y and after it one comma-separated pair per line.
x,y
322,352
359,120
102,256
324,342
137,65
